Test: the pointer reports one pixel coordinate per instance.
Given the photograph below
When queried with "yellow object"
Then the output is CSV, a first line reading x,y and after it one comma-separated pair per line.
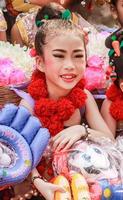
x,y
79,187
107,193
63,182
75,18
20,6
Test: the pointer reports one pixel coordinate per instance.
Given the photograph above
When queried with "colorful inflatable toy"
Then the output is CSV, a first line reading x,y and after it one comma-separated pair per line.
x,y
101,163
22,143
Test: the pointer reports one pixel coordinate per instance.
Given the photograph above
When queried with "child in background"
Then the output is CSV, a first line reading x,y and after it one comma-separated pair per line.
x,y
112,108
107,110
25,27
21,8
117,12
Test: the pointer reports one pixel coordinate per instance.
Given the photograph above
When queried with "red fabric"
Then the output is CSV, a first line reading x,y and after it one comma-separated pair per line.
x,y
6,194
116,96
53,113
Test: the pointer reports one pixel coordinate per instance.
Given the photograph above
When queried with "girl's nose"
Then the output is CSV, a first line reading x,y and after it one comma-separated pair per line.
x,y
69,66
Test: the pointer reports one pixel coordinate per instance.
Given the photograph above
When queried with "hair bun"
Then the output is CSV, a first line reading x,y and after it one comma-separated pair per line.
x,y
48,11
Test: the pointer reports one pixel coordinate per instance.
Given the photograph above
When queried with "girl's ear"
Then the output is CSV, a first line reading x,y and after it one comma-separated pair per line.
x,y
113,11
40,63
121,85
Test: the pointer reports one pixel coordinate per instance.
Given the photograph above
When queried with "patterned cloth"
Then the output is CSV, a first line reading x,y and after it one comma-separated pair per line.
x,y
27,27
3,24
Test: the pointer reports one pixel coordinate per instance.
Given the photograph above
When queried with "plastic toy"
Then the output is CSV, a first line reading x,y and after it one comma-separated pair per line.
x,y
22,143
99,162
62,181
76,188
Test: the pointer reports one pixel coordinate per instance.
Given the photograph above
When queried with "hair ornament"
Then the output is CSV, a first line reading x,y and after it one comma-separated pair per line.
x,y
83,3
46,17
115,45
39,23
111,71
66,14
121,44
33,52
113,74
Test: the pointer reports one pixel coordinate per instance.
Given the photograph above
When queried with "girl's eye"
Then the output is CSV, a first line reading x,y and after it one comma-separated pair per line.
x,y
58,56
79,56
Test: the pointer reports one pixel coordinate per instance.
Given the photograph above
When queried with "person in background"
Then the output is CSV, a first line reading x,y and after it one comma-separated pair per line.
x,y
24,30
112,106
116,60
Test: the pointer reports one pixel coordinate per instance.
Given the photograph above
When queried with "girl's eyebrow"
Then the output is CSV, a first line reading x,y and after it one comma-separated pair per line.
x,y
78,50
63,51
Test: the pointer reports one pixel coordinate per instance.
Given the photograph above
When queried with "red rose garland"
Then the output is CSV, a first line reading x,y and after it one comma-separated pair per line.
x,y
53,113
116,96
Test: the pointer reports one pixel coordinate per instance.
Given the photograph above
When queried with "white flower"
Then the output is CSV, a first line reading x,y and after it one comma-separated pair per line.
x,y
19,56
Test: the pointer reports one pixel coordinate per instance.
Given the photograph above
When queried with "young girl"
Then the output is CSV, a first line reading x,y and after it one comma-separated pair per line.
x,y
57,94
107,110
112,106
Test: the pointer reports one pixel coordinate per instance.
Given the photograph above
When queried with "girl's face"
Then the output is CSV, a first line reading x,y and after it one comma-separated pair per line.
x,y
63,62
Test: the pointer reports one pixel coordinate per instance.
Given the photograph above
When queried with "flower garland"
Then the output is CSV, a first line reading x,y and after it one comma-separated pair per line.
x,y
116,96
53,113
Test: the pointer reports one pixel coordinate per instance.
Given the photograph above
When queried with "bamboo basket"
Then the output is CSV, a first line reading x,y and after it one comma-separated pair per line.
x,y
7,95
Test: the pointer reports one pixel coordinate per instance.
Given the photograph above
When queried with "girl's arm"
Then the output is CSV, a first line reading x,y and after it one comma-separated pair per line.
x,y
95,120
46,189
98,128
110,121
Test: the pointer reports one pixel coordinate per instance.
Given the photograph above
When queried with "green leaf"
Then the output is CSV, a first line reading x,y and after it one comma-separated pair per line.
x,y
39,23
121,44
111,52
46,17
113,37
66,15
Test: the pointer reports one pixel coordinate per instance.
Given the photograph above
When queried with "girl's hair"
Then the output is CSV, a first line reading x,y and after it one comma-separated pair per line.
x,y
116,61
47,10
73,2
52,26
40,36
113,2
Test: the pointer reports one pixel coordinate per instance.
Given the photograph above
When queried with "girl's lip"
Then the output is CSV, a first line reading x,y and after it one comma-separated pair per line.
x,y
68,77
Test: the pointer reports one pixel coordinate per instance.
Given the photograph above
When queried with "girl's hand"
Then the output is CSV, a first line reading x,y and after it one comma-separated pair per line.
x,y
47,189
67,137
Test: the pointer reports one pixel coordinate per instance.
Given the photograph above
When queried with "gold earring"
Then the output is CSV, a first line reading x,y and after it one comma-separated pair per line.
x,y
62,2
